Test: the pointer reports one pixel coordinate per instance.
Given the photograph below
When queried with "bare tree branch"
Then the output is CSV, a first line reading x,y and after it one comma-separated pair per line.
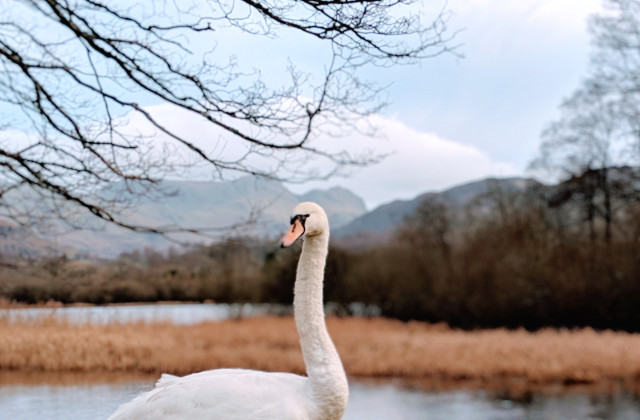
x,y
74,73
594,146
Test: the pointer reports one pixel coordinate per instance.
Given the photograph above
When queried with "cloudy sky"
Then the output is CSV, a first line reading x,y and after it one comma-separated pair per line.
x,y
450,120
454,120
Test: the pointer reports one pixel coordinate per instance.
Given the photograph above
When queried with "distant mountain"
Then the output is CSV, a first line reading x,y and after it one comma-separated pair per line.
x,y
257,207
342,206
379,223
18,241
215,206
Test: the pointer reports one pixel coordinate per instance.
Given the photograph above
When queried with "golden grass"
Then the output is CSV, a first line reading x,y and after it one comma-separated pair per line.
x,y
368,347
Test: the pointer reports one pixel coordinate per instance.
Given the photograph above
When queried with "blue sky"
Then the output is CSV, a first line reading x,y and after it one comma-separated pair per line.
x,y
450,120
453,120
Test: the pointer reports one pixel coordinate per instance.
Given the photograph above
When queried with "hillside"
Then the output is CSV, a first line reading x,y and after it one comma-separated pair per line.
x,y
254,207
378,223
251,206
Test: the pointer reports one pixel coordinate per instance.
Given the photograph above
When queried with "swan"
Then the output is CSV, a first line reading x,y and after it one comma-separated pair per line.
x,y
228,394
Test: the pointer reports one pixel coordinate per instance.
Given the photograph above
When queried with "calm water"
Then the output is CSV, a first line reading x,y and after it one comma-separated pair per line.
x,y
368,401
87,397
182,314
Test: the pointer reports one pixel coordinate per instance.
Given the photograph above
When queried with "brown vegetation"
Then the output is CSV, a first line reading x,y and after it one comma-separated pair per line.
x,y
534,259
368,347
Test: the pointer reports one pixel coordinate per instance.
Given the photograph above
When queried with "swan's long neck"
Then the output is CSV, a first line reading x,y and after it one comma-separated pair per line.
x,y
327,380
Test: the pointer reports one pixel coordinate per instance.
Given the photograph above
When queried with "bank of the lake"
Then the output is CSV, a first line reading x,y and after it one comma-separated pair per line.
x,y
369,348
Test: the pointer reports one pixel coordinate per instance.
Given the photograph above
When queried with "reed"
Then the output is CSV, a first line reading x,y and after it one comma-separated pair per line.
x,y
368,347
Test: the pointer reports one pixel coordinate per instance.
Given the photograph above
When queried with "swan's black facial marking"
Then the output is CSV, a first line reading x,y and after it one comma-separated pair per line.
x,y
301,217
296,231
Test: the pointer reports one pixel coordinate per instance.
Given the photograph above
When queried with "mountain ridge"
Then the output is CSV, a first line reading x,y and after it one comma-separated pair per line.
x,y
250,206
258,202
381,220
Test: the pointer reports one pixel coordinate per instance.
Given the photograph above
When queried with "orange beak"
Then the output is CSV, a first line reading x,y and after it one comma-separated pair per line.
x,y
296,231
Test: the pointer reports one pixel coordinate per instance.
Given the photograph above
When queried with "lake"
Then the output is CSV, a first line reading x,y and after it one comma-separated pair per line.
x,y
178,313
181,314
83,396
92,396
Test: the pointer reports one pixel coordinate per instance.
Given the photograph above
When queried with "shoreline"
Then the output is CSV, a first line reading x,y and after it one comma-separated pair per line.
x,y
54,304
369,348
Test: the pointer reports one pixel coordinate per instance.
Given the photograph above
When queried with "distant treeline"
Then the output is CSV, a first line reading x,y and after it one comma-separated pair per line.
x,y
563,257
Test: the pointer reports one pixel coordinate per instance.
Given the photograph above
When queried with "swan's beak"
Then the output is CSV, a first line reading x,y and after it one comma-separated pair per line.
x,y
295,232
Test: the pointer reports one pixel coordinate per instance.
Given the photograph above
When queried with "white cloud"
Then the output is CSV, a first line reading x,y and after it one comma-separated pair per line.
x,y
521,58
420,162
460,120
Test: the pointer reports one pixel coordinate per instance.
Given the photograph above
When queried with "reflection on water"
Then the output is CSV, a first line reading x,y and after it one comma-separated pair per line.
x,y
176,313
182,314
389,401
78,398
65,402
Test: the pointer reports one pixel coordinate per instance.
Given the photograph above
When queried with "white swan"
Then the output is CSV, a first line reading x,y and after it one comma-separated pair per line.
x,y
228,394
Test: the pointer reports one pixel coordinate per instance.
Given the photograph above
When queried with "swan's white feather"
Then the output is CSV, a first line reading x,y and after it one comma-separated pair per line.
x,y
222,394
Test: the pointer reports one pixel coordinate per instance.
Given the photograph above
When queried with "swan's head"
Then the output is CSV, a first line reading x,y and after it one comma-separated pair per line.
x,y
308,219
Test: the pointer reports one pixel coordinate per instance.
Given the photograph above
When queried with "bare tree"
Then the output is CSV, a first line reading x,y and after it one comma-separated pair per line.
x,y
595,143
76,73
615,66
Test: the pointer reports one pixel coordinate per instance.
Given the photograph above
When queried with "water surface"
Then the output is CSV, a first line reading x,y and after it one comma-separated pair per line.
x,y
368,401
180,313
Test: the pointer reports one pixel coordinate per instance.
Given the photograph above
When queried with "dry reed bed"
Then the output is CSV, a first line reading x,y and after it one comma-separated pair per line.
x,y
368,347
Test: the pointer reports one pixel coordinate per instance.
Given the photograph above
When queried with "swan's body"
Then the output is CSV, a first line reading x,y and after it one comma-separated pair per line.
x,y
228,394
221,394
